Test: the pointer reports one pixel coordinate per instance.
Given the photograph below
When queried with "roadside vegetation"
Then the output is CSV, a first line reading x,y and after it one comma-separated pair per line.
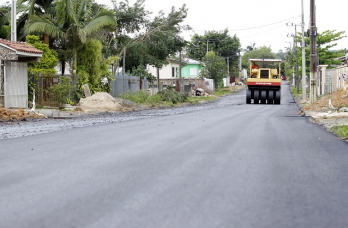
x,y
341,131
170,97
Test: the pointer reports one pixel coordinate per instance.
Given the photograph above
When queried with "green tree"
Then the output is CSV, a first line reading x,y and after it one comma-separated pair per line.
x,y
259,53
160,39
326,41
48,60
91,67
74,21
221,43
5,18
214,68
46,65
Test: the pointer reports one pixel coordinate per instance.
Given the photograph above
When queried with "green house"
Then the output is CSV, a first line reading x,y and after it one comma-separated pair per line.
x,y
191,69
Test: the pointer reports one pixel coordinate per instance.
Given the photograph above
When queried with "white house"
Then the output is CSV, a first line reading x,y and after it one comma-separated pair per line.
x,y
170,71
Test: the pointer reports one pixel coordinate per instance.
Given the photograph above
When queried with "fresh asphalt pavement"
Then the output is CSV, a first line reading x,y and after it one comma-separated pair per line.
x,y
235,165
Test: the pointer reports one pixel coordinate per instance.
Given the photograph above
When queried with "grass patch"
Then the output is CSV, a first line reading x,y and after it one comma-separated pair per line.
x,y
196,100
341,131
142,97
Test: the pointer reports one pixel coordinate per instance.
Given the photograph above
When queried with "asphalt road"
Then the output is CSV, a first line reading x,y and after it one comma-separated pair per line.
x,y
234,165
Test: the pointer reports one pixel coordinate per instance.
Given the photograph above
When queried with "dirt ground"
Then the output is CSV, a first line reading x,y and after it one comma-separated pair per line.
x,y
16,115
339,99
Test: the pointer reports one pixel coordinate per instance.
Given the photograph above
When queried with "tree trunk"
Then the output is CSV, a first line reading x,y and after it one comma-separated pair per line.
x,y
46,38
74,65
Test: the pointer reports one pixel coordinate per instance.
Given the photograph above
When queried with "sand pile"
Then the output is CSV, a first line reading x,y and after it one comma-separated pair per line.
x,y
10,115
338,98
104,102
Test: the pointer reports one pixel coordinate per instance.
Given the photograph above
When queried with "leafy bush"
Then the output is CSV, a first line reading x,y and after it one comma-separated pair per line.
x,y
61,92
172,96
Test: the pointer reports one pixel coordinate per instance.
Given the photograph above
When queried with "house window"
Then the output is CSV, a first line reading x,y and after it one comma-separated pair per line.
x,y
193,71
173,71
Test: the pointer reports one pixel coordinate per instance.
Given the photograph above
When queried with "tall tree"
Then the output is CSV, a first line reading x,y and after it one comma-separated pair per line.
x,y
74,22
214,68
160,39
5,18
221,43
258,53
326,41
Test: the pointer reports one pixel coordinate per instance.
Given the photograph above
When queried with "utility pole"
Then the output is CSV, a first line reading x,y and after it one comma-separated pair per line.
x,y
313,55
296,53
304,89
180,79
124,69
13,21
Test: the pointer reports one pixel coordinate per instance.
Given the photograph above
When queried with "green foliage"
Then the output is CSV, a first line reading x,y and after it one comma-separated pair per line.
x,y
221,43
326,41
259,53
5,27
142,97
48,60
61,91
172,96
91,68
143,73
341,131
214,68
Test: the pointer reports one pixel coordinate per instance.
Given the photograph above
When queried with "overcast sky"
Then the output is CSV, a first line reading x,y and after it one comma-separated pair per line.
x,y
256,21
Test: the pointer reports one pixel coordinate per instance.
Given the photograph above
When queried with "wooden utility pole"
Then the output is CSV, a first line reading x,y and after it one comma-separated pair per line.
x,y
313,51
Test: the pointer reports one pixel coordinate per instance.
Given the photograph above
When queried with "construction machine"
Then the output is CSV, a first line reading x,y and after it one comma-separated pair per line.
x,y
264,81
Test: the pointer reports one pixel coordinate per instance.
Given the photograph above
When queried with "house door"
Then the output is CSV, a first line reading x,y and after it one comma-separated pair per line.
x,y
2,82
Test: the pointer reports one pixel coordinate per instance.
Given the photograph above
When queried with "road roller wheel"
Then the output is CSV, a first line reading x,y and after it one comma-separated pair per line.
x,y
248,96
256,96
270,97
263,96
277,97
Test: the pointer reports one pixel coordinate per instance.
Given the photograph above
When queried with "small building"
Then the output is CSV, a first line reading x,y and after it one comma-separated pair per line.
x,y
14,57
191,69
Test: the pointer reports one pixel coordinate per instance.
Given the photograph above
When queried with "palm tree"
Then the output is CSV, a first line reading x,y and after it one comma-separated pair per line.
x,y
35,7
74,22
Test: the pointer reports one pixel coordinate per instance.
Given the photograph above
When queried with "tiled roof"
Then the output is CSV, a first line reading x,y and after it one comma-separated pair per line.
x,y
20,46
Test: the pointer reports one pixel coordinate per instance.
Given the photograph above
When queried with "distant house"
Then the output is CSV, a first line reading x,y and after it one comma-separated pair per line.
x,y
190,69
14,57
169,71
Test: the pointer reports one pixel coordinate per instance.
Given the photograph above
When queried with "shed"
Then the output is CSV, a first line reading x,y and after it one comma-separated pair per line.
x,y
14,57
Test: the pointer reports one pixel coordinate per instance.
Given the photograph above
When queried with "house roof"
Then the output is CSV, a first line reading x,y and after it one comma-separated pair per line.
x,y
20,46
191,61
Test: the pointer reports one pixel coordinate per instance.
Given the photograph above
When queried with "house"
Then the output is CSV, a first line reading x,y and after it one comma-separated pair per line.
x,y
14,57
190,69
169,71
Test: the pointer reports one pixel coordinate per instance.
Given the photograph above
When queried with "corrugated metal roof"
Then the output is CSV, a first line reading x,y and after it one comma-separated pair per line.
x,y
21,46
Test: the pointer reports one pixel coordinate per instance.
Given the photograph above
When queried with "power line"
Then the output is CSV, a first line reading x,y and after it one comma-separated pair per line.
x,y
234,30
262,32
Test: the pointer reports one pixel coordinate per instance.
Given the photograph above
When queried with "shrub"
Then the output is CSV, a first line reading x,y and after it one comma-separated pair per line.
x,y
170,95
61,92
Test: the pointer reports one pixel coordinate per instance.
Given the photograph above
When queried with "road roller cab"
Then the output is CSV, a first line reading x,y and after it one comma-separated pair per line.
x,y
264,81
